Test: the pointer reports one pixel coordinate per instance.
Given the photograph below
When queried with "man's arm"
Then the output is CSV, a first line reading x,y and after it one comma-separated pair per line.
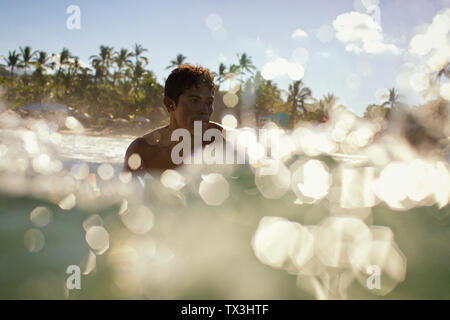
x,y
135,151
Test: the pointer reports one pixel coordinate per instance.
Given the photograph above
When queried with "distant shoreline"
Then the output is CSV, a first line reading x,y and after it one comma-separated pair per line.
x,y
96,132
117,128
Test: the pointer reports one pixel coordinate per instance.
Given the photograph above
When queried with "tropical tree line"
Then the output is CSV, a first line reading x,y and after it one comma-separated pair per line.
x,y
265,99
119,84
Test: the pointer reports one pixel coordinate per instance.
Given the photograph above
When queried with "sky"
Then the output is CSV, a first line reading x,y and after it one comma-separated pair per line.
x,y
351,48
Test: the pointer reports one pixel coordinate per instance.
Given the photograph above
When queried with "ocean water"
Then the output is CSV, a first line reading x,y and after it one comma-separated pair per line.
x,y
217,232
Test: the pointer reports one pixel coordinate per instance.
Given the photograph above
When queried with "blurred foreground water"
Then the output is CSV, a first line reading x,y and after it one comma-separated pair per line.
x,y
312,230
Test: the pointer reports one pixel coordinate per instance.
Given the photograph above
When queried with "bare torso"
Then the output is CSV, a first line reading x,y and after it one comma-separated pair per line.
x,y
154,151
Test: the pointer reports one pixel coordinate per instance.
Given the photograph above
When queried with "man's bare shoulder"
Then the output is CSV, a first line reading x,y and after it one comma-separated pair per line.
x,y
147,143
152,150
215,125
157,137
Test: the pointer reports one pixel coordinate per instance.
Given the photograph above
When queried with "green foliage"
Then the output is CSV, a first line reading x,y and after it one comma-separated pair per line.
x,y
374,111
268,99
295,106
119,84
178,61
392,98
113,85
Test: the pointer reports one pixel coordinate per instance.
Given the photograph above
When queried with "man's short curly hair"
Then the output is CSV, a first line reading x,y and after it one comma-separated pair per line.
x,y
187,76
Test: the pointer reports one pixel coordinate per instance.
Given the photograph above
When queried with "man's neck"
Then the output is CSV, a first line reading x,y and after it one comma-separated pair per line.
x,y
173,125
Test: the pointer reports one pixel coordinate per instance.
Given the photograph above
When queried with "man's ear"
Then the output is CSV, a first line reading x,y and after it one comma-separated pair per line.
x,y
169,103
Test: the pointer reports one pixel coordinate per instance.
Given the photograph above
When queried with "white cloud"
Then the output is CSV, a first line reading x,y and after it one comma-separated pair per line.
x,y
439,58
299,33
433,37
445,91
420,44
362,34
429,52
281,67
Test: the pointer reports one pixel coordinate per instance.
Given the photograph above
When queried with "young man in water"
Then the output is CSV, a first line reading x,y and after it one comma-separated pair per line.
x,y
188,97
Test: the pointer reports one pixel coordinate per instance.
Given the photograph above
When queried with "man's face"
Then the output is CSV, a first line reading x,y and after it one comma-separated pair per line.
x,y
194,104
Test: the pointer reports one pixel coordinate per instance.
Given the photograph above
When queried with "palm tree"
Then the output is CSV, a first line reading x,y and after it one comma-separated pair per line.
x,y
231,74
103,60
74,66
53,62
64,57
443,71
221,75
392,97
297,94
138,50
12,62
99,70
41,62
178,61
27,56
330,99
328,102
138,70
233,70
122,59
245,64
374,111
138,73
